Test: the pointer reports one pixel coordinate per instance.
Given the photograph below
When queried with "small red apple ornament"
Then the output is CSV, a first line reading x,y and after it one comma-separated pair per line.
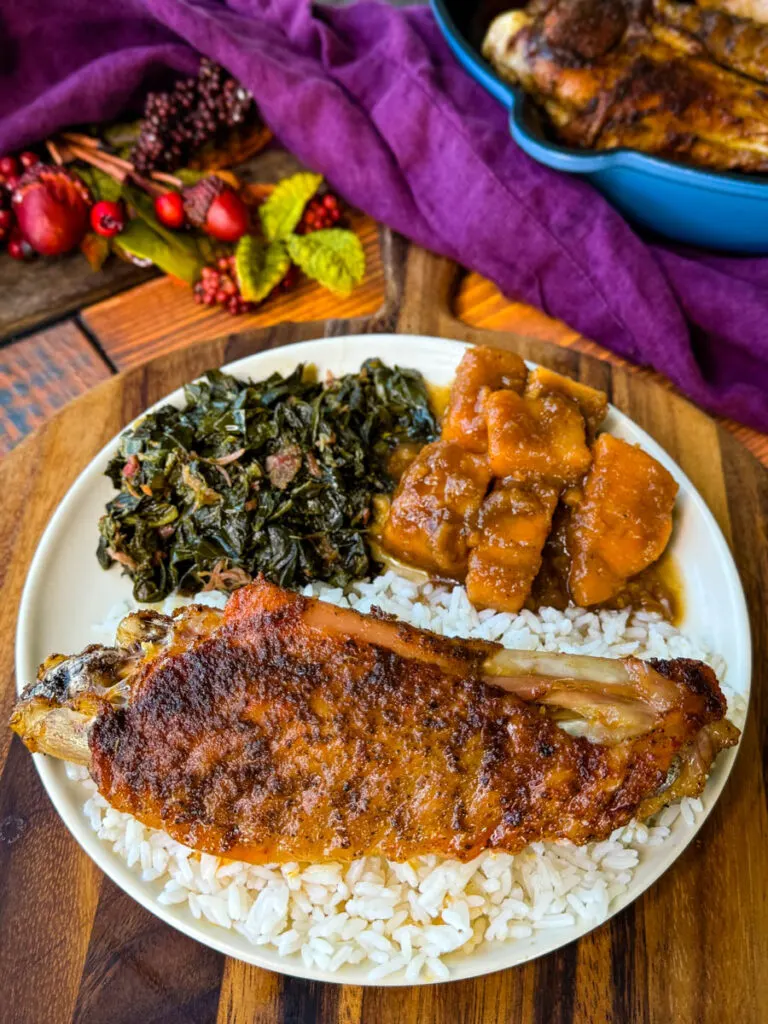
x,y
51,207
215,207
169,210
107,218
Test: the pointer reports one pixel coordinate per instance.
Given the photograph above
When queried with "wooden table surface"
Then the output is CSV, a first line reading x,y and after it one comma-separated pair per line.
x,y
73,947
63,328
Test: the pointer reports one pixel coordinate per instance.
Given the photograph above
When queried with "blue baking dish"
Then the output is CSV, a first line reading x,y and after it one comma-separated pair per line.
x,y
716,210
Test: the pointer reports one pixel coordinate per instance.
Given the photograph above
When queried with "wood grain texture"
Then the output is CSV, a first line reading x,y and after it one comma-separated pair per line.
x,y
693,949
479,303
249,995
45,290
161,316
40,374
139,969
48,900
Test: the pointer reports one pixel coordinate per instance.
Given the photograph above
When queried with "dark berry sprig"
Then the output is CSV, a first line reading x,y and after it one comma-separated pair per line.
x,y
196,111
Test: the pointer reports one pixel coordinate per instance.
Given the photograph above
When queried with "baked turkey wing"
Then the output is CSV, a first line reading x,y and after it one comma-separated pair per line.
x,y
287,729
658,77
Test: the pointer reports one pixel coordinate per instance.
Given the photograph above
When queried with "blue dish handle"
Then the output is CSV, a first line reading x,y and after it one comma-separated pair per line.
x,y
481,71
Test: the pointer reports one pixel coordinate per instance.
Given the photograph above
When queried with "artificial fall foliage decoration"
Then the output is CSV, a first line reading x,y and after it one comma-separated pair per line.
x,y
281,212
196,112
169,209
333,257
260,266
108,217
214,206
51,207
121,190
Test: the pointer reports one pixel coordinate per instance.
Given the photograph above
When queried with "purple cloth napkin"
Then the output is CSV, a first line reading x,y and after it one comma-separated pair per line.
x,y
371,97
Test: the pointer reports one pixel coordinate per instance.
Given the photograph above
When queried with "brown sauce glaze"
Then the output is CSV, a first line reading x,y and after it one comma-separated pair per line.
x,y
439,396
659,588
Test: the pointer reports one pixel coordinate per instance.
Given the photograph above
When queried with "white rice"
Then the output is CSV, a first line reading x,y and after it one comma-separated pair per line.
x,y
409,918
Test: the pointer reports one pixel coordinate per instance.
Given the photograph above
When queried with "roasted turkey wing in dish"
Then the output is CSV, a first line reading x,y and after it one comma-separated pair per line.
x,y
658,76
287,729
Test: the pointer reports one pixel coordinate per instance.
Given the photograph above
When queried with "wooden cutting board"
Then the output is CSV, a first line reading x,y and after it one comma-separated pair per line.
x,y
693,949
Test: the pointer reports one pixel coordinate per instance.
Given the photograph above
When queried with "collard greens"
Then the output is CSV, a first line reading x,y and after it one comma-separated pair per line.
x,y
272,477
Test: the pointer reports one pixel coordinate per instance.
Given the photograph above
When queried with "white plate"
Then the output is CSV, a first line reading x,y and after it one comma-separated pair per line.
x,y
67,592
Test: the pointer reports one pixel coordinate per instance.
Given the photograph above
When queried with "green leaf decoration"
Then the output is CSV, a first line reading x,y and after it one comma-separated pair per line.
x,y
260,267
281,211
175,257
101,185
189,177
334,258
145,209
96,249
119,134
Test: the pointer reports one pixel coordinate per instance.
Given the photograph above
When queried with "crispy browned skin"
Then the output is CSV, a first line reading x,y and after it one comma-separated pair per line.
x,y
755,10
288,729
481,370
624,522
661,77
435,507
730,39
512,528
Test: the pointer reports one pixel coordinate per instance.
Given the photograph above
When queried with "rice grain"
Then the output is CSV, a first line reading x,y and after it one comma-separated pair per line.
x,y
410,918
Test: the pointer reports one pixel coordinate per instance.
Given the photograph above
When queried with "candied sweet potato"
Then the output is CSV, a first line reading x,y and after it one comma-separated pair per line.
x,y
513,525
592,403
624,522
536,439
435,507
481,371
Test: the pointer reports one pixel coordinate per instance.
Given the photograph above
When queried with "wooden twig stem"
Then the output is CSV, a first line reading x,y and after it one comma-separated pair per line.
x,y
118,161
81,140
169,179
55,152
100,160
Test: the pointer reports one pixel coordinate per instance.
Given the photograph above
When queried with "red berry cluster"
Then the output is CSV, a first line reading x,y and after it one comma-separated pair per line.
x,y
11,169
218,287
321,212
